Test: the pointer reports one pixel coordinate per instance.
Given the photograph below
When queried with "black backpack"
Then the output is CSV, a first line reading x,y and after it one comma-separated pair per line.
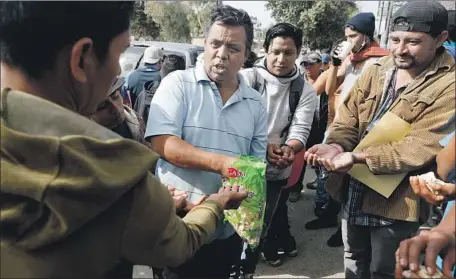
x,y
296,88
142,104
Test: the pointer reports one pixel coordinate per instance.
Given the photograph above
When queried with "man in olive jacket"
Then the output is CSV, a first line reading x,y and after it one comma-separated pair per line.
x,y
76,198
417,84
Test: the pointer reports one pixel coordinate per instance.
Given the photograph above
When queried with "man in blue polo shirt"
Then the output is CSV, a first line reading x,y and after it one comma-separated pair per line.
x,y
200,120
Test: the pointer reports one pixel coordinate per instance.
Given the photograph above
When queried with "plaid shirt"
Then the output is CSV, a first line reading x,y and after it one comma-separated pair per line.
x,y
352,208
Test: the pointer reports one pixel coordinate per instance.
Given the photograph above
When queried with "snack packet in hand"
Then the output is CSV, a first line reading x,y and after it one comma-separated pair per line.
x,y
422,273
248,173
429,178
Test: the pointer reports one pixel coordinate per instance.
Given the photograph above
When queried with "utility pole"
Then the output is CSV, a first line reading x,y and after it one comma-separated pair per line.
x,y
388,23
381,6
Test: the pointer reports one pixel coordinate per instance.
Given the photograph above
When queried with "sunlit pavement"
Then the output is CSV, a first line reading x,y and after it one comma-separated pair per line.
x,y
315,259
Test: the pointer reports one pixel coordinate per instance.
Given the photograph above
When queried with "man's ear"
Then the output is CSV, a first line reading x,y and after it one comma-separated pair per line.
x,y
442,38
82,54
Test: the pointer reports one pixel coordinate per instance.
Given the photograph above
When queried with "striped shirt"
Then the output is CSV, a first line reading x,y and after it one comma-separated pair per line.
x,y
188,105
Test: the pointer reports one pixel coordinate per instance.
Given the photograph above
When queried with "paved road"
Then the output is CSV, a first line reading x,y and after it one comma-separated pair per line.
x,y
315,258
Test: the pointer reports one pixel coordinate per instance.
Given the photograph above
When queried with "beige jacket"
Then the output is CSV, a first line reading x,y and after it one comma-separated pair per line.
x,y
77,198
428,103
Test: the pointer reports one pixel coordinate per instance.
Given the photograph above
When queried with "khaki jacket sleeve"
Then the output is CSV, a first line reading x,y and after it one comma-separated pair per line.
x,y
156,236
421,145
345,128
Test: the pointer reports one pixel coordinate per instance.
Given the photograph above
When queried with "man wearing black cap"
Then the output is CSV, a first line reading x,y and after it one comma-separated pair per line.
x,y
359,31
342,74
416,84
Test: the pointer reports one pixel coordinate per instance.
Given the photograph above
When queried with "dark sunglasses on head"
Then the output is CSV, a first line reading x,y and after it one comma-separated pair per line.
x,y
306,64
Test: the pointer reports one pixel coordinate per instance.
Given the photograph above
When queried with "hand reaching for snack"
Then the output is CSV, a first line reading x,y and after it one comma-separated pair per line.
x,y
432,189
229,197
179,197
432,242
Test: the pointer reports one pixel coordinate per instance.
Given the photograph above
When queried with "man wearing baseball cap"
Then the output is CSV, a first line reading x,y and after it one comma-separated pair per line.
x,y
416,84
325,59
311,63
148,71
342,74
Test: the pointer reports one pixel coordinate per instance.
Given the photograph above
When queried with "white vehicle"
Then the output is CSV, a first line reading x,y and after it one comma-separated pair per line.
x,y
132,57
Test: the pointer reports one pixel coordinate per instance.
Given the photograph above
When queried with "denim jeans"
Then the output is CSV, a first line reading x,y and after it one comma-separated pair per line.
x,y
321,196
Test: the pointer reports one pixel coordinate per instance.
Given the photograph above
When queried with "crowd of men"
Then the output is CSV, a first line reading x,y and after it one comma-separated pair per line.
x,y
100,173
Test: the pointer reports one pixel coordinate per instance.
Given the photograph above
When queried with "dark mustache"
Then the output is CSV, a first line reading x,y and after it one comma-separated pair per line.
x,y
405,56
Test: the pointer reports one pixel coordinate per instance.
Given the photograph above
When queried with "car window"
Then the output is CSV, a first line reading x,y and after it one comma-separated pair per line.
x,y
130,58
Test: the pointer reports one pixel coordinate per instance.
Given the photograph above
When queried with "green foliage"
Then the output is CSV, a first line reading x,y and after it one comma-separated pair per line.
x,y
171,16
199,16
143,26
322,22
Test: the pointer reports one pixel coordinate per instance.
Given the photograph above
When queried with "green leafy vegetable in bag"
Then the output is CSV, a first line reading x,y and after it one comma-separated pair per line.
x,y
248,173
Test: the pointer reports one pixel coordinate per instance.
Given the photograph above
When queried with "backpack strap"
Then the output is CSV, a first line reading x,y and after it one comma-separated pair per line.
x,y
296,88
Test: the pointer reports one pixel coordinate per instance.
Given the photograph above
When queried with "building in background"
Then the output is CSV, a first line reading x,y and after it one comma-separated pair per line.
x,y
385,11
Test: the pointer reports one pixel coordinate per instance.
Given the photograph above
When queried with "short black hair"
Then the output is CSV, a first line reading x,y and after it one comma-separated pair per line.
x,y
250,60
230,16
284,30
172,63
32,33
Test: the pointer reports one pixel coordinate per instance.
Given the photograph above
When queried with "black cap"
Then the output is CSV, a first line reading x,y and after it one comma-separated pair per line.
x,y
363,23
429,17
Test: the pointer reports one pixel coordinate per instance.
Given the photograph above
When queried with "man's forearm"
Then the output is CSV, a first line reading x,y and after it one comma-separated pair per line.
x,y
446,159
296,145
360,157
320,83
179,153
331,80
448,223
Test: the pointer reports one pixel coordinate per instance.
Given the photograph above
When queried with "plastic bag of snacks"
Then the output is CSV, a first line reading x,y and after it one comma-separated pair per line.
x,y
248,173
422,273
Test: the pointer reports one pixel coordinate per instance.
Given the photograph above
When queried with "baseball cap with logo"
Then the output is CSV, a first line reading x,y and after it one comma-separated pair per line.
x,y
311,57
429,17
153,55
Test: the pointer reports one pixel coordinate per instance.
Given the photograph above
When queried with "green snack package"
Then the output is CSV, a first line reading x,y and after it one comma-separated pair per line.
x,y
248,173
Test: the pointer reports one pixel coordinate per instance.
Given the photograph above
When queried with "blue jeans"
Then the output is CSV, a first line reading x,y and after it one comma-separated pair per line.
x,y
321,196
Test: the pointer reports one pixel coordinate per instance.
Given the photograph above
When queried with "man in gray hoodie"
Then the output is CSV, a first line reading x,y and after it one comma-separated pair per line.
x,y
291,104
